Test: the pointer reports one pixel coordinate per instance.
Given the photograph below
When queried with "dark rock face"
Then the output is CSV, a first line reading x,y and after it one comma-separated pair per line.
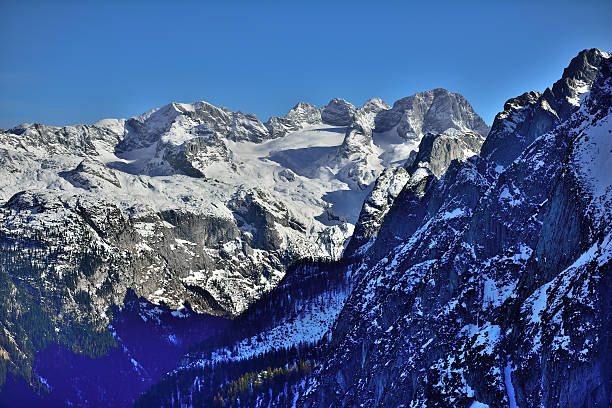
x,y
194,156
250,209
489,285
436,152
386,189
527,116
338,112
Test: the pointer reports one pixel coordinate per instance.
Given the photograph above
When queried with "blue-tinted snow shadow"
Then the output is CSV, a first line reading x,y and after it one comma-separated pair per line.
x,y
334,129
302,161
345,204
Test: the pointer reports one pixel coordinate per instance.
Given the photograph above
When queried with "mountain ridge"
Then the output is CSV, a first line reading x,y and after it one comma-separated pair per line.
x,y
486,287
188,205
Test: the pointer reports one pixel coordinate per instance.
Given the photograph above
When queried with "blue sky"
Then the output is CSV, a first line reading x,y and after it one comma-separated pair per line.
x,y
80,61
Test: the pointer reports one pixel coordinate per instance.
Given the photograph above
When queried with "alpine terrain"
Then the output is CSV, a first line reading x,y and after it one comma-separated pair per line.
x,y
403,255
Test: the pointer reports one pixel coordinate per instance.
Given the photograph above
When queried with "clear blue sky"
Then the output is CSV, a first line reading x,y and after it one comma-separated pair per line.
x,y
80,61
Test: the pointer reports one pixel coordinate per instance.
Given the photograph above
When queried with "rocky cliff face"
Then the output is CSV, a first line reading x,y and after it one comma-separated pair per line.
x,y
338,112
436,152
433,111
376,206
490,285
527,116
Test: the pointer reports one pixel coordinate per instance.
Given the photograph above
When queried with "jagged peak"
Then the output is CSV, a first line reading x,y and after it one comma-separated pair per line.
x,y
435,110
341,101
303,105
532,114
431,93
374,103
338,112
586,60
304,112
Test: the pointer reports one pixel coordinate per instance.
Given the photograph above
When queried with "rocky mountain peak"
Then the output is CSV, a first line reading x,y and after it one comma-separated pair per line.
x,y
338,112
434,111
301,115
304,113
532,114
436,152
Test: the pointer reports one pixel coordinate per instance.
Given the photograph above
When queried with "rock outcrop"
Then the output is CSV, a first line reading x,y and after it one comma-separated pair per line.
x,y
436,152
527,116
338,112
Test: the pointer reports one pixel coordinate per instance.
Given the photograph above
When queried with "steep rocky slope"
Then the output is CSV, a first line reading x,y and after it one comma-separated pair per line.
x,y
282,331
470,280
491,286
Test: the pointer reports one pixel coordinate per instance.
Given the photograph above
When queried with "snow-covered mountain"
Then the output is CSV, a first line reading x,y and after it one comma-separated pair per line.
x,y
489,286
378,256
192,205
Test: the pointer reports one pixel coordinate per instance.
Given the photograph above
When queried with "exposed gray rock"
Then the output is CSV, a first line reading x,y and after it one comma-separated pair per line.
x,y
301,115
436,152
304,114
358,136
55,140
433,111
246,127
193,156
92,174
387,187
366,114
358,148
168,124
338,112
363,119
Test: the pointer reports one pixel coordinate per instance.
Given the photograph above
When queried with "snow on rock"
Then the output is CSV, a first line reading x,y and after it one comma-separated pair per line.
x,y
434,111
487,286
250,197
338,112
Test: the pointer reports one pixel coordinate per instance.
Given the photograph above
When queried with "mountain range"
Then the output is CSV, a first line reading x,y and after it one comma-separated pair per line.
x,y
384,256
